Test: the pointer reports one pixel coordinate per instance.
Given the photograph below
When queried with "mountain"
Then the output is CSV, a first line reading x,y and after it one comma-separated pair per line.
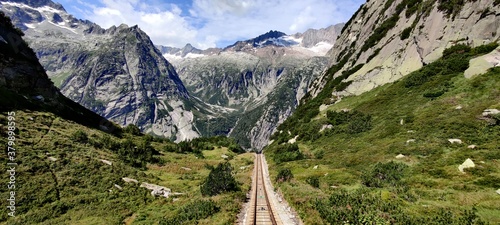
x,y
388,41
403,126
121,75
66,163
25,85
258,81
116,72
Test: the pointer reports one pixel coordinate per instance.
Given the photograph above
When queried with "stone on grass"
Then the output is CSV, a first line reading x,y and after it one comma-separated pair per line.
x,y
498,191
458,107
454,140
224,156
468,163
400,156
52,159
157,190
130,180
315,167
472,146
410,141
106,162
488,112
118,186
186,168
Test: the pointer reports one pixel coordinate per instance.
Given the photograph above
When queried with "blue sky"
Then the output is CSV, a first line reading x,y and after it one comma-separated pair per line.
x,y
213,23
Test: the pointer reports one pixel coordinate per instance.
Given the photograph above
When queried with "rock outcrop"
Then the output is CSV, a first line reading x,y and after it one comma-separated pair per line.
x,y
390,39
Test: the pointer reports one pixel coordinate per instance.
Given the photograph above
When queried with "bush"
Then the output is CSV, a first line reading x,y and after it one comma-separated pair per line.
x,y
287,152
406,33
219,180
197,210
80,136
284,175
132,129
313,181
384,174
456,49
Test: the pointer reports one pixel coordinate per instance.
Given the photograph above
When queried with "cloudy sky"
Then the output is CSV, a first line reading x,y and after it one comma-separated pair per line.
x,y
213,23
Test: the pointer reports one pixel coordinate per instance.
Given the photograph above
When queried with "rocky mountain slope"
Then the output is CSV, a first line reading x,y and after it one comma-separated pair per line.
x,y
117,72
404,124
121,75
389,39
259,81
25,85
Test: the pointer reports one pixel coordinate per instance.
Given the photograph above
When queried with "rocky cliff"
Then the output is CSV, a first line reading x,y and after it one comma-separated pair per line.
x,y
24,85
386,40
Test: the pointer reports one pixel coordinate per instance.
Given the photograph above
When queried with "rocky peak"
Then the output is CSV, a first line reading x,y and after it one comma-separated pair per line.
x,y
37,3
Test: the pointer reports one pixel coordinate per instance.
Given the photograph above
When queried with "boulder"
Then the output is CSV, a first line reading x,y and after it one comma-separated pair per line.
x,y
489,112
130,180
455,141
52,159
400,156
157,190
293,140
468,163
106,162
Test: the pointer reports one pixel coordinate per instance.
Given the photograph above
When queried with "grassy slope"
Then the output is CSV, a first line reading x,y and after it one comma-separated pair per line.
x,y
433,181
78,188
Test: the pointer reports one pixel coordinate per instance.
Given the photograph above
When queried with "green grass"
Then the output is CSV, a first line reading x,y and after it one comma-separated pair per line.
x,y
77,188
431,184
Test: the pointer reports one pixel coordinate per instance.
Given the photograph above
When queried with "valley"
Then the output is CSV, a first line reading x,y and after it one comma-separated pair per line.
x,y
390,118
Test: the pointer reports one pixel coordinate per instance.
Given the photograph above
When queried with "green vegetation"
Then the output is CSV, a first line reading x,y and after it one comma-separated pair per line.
x,y
284,175
286,152
69,172
219,180
384,174
359,177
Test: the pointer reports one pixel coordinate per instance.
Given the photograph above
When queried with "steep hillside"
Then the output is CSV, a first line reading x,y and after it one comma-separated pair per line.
x,y
117,73
386,40
66,164
421,150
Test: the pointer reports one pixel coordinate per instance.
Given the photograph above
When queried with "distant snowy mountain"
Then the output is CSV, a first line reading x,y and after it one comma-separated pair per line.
x,y
262,79
116,72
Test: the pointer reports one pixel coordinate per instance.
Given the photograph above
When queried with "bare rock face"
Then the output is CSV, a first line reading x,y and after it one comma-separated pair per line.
x,y
390,41
117,73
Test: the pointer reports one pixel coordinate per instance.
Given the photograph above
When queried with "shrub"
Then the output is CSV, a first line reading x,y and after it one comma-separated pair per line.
x,y
80,136
284,175
384,174
313,181
132,129
196,210
287,152
219,180
406,33
456,49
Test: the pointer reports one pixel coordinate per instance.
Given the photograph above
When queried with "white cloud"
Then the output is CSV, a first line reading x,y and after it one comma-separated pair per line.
x,y
209,22
166,27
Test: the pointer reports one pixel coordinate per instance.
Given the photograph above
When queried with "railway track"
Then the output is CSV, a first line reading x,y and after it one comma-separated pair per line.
x,y
261,211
